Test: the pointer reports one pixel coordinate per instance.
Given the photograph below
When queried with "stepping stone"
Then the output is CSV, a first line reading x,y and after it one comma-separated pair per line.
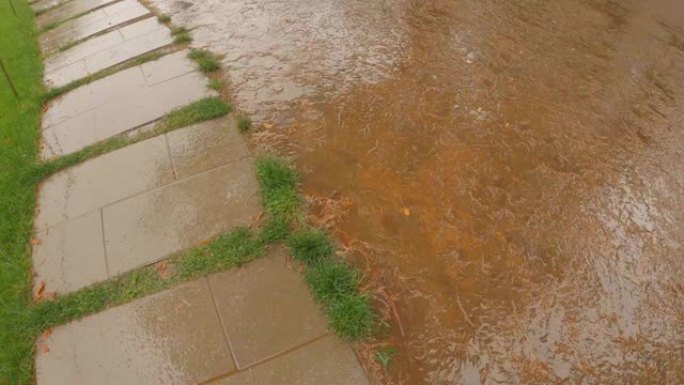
x,y
170,338
193,334
151,226
92,23
69,10
266,310
105,51
70,250
120,103
41,5
327,361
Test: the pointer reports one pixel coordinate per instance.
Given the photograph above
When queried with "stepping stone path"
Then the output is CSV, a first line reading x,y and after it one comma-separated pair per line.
x,y
140,204
120,103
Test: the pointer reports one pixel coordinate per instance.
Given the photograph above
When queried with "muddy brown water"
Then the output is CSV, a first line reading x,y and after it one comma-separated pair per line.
x,y
512,171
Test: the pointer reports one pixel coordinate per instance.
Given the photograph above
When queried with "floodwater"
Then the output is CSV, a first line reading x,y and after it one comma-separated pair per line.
x,y
509,173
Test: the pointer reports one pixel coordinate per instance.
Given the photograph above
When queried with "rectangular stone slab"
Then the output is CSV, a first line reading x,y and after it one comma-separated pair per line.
x,y
92,23
266,309
102,52
153,225
206,146
69,10
117,104
327,361
41,5
103,181
70,256
170,338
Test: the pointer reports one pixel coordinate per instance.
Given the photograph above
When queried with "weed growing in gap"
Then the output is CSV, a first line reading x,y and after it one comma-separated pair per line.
x,y
181,35
215,84
279,187
199,111
385,356
164,19
311,247
244,123
331,281
207,61
352,316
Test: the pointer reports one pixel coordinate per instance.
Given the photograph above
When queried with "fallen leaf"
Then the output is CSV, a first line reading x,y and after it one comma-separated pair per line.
x,y
41,289
267,126
36,242
407,212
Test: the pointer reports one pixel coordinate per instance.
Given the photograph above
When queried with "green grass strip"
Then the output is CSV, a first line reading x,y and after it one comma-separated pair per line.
x,y
19,126
206,60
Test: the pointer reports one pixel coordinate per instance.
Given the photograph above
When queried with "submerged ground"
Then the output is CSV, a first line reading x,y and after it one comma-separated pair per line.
x,y
509,173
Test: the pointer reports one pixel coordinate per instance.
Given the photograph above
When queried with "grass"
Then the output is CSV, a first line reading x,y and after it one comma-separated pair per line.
x,y
206,60
311,247
19,124
215,84
280,182
181,35
244,123
164,19
385,356
204,109
68,46
331,281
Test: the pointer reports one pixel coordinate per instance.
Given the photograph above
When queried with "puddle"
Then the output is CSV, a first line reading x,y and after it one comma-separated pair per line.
x,y
511,171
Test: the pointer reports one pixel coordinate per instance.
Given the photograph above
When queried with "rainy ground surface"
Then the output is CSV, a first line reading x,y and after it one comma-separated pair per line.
x,y
511,173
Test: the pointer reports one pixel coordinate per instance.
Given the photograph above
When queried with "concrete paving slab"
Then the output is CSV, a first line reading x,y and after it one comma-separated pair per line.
x,y
327,361
266,310
117,104
170,338
103,181
70,256
69,10
91,24
41,5
206,146
151,226
105,51
159,71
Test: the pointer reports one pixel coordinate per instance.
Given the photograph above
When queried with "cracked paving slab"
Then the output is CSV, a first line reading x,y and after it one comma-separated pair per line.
x,y
120,103
92,23
104,51
169,192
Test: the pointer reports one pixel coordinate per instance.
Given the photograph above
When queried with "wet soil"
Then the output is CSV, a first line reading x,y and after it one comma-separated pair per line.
x,y
510,173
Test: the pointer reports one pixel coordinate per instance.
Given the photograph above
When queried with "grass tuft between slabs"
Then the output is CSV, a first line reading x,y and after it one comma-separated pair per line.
x,y
206,60
279,192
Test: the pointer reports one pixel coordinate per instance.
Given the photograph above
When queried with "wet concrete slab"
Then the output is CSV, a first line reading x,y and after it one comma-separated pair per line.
x,y
42,5
325,361
153,225
206,146
68,10
139,173
70,256
92,23
104,180
171,338
266,310
105,51
119,103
